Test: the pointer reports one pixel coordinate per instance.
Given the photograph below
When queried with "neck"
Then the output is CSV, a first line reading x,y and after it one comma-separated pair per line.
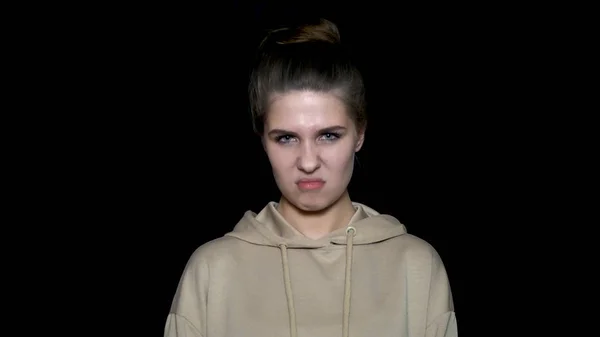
x,y
316,225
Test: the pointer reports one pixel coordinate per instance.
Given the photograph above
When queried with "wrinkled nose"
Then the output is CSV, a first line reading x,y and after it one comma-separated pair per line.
x,y
309,160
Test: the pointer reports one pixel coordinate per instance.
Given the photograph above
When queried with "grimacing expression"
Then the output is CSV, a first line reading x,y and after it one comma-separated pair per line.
x,y
310,141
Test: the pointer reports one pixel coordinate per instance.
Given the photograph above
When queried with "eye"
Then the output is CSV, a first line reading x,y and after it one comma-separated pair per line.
x,y
330,136
284,139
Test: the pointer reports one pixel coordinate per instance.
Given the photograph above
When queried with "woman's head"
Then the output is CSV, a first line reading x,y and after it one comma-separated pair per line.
x,y
308,106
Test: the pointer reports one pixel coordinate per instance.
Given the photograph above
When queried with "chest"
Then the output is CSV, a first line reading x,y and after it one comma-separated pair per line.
x,y
250,298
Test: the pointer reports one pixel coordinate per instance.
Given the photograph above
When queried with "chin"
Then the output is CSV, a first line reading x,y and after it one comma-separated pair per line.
x,y
308,204
310,207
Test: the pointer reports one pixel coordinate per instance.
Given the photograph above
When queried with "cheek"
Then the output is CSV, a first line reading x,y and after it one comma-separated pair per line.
x,y
340,161
281,159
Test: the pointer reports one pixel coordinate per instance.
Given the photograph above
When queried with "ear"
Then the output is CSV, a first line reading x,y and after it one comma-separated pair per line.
x,y
360,140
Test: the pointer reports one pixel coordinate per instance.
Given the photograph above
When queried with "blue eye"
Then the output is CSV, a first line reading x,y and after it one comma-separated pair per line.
x,y
330,136
284,139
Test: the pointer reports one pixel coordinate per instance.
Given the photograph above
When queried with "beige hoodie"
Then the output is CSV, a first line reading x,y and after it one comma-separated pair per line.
x,y
265,279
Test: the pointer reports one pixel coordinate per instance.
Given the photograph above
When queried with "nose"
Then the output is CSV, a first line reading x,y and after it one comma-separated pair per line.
x,y
309,159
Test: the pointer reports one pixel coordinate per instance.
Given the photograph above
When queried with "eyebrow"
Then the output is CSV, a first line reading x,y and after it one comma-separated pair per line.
x,y
330,129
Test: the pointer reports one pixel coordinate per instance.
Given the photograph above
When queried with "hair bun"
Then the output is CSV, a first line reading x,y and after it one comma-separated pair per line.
x,y
321,31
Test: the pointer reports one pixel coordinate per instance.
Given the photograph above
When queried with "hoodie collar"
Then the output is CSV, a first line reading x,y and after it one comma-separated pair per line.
x,y
270,228
274,221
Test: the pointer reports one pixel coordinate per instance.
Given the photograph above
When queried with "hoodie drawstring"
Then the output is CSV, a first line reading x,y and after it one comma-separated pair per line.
x,y
350,233
288,291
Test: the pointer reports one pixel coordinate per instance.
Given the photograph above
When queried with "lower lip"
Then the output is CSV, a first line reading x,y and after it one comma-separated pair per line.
x,y
311,185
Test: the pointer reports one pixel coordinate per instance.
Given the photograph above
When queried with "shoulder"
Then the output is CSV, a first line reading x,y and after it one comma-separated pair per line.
x,y
417,250
201,264
216,250
414,244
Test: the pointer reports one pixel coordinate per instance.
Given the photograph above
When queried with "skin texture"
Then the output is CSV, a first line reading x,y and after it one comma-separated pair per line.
x,y
310,135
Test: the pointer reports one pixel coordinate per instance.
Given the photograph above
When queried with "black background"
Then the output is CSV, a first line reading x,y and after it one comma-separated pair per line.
x,y
127,127
174,162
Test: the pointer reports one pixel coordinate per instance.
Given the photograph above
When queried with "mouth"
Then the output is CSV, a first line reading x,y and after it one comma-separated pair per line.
x,y
310,184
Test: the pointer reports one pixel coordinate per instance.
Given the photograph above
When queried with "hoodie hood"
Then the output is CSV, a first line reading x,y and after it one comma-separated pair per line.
x,y
269,228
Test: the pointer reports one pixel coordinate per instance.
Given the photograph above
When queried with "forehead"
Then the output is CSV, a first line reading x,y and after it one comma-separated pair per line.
x,y
306,109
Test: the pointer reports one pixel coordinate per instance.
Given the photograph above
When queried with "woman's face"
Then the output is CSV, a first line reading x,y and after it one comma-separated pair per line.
x,y
310,140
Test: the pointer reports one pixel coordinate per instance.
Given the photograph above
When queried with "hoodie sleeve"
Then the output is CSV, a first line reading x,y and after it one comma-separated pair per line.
x,y
179,326
187,317
441,319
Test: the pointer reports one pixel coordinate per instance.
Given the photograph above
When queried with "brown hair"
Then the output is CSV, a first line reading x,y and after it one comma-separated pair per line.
x,y
305,57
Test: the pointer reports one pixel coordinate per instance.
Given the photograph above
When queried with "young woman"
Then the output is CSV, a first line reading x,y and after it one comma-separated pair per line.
x,y
315,263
